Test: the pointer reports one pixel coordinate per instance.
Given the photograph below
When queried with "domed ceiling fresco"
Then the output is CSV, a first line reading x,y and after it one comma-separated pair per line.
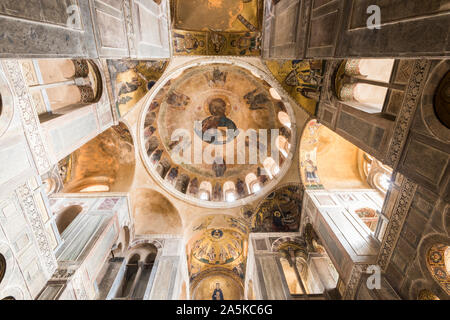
x,y
217,27
209,132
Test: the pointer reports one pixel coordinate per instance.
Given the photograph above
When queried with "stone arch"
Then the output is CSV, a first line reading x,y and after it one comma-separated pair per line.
x,y
107,161
352,89
284,119
140,259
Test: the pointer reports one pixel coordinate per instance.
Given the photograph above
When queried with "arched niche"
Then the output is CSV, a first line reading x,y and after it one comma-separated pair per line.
x,y
329,161
139,264
364,83
217,284
104,164
154,213
66,217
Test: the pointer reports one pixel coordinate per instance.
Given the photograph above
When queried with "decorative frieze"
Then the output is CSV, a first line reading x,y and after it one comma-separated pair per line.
x,y
407,111
401,208
31,212
355,277
130,28
29,116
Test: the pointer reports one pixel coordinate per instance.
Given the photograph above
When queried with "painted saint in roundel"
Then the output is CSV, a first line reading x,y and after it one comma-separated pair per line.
x,y
218,293
217,234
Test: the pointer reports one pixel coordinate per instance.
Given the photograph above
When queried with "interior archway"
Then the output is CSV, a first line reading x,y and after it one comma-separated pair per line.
x,y
104,164
66,217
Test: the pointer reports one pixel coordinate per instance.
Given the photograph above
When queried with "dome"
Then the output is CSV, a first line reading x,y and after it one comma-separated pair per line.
x,y
211,134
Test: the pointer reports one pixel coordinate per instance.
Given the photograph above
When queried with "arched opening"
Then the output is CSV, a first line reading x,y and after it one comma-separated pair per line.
x,y
345,176
96,188
131,271
364,83
252,182
104,164
371,69
229,190
205,191
58,86
271,167
2,267
66,217
9,298
274,93
377,175
283,145
284,119
135,280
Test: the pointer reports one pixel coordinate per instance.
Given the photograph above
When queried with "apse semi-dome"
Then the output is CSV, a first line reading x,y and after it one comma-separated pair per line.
x,y
217,133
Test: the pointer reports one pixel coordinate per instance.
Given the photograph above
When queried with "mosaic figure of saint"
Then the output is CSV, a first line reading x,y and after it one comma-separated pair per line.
x,y
218,293
310,170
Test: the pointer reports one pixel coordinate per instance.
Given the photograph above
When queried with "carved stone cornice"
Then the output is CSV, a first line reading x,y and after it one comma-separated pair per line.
x,y
128,15
28,114
33,216
398,216
404,118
